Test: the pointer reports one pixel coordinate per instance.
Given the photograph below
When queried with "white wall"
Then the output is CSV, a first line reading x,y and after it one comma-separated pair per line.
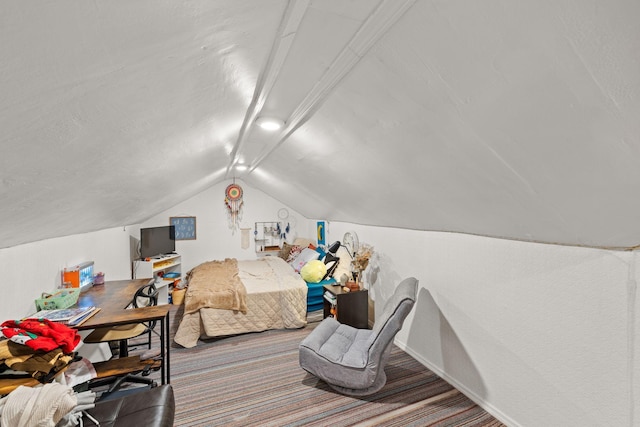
x,y
214,238
33,268
540,335
537,334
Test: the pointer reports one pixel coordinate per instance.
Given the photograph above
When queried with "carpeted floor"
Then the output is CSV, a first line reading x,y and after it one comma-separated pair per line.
x,y
255,380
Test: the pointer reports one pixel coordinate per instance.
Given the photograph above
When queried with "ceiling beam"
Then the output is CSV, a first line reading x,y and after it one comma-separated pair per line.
x,y
374,27
291,19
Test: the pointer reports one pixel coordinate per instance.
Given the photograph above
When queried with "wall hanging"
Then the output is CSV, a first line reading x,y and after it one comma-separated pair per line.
x,y
233,202
244,238
185,227
283,224
321,233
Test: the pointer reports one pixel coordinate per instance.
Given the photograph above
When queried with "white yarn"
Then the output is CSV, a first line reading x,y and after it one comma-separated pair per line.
x,y
41,406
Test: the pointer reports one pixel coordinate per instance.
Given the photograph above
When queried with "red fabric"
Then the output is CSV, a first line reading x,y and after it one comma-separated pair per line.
x,y
41,334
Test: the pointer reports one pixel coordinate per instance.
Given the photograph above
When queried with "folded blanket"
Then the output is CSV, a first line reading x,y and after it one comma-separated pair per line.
x,y
215,284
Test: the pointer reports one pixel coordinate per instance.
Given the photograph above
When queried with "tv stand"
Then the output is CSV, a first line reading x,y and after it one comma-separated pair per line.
x,y
165,269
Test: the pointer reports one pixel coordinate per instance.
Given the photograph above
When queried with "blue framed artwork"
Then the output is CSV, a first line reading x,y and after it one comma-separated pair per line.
x,y
321,233
185,227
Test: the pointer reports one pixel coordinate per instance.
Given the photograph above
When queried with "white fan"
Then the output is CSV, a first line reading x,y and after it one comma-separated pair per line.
x,y
351,242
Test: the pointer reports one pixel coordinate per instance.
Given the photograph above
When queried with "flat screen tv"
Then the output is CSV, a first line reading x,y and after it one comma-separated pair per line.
x,y
157,241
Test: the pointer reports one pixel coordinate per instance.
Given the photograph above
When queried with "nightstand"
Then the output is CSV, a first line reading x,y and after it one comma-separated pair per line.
x,y
352,308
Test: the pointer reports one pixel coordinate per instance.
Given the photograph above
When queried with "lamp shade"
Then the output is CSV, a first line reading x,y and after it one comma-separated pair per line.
x,y
333,248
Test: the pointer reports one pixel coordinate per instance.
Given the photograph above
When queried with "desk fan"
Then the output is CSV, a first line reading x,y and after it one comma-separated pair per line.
x,y
351,242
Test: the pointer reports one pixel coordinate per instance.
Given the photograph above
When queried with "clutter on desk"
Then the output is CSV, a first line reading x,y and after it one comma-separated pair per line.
x,y
79,276
67,316
63,298
98,279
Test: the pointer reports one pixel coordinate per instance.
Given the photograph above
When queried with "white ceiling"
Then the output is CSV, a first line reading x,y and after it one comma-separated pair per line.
x,y
515,119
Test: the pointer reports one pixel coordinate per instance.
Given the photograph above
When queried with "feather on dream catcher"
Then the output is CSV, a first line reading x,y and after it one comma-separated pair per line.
x,y
233,202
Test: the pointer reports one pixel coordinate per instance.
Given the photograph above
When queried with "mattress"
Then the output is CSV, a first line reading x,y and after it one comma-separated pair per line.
x,y
276,299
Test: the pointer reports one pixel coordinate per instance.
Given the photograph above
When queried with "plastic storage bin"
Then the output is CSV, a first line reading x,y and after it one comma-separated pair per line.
x,y
62,299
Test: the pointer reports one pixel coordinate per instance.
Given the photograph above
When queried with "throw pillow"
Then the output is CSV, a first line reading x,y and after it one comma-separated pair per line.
x,y
285,251
313,271
294,252
304,257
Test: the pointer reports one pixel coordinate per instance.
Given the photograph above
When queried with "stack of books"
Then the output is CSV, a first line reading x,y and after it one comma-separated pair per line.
x,y
74,316
330,297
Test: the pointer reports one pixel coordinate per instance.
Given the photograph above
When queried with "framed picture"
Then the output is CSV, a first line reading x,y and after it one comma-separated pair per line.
x,y
321,233
185,227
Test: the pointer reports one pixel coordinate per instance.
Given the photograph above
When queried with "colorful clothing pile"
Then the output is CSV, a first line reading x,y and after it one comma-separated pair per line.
x,y
39,347
41,334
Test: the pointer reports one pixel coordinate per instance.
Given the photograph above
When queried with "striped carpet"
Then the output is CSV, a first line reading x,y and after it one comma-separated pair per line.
x,y
255,380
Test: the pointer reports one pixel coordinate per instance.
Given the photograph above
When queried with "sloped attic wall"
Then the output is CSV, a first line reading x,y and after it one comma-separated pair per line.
x,y
508,119
114,111
34,268
537,334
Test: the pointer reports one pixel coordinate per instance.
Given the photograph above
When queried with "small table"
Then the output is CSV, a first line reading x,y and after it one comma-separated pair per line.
x,y
352,308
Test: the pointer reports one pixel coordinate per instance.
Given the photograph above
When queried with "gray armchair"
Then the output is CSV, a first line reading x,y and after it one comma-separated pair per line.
x,y
352,360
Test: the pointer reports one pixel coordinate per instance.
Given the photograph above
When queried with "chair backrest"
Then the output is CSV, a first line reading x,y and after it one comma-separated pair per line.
x,y
393,315
145,296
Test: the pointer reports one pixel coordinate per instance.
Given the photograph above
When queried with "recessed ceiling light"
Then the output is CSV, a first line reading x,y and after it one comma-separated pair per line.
x,y
269,123
242,168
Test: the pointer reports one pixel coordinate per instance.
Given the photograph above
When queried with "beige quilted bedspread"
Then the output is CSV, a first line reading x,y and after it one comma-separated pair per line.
x,y
276,299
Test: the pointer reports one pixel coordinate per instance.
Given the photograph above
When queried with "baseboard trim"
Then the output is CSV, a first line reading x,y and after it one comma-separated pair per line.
x,y
501,416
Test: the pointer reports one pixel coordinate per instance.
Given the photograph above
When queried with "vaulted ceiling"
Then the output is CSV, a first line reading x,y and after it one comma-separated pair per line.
x,y
515,119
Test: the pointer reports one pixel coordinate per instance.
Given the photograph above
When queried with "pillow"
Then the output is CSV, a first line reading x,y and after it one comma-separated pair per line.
x,y
285,251
293,253
313,271
304,257
344,265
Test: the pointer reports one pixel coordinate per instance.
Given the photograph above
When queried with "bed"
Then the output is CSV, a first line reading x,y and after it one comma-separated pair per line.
x,y
259,295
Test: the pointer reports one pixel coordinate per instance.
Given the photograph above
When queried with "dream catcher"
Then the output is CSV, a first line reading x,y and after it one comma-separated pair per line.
x,y
233,202
283,215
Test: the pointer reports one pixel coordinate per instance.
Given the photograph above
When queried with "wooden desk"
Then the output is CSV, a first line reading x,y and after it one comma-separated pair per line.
x,y
113,298
7,385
